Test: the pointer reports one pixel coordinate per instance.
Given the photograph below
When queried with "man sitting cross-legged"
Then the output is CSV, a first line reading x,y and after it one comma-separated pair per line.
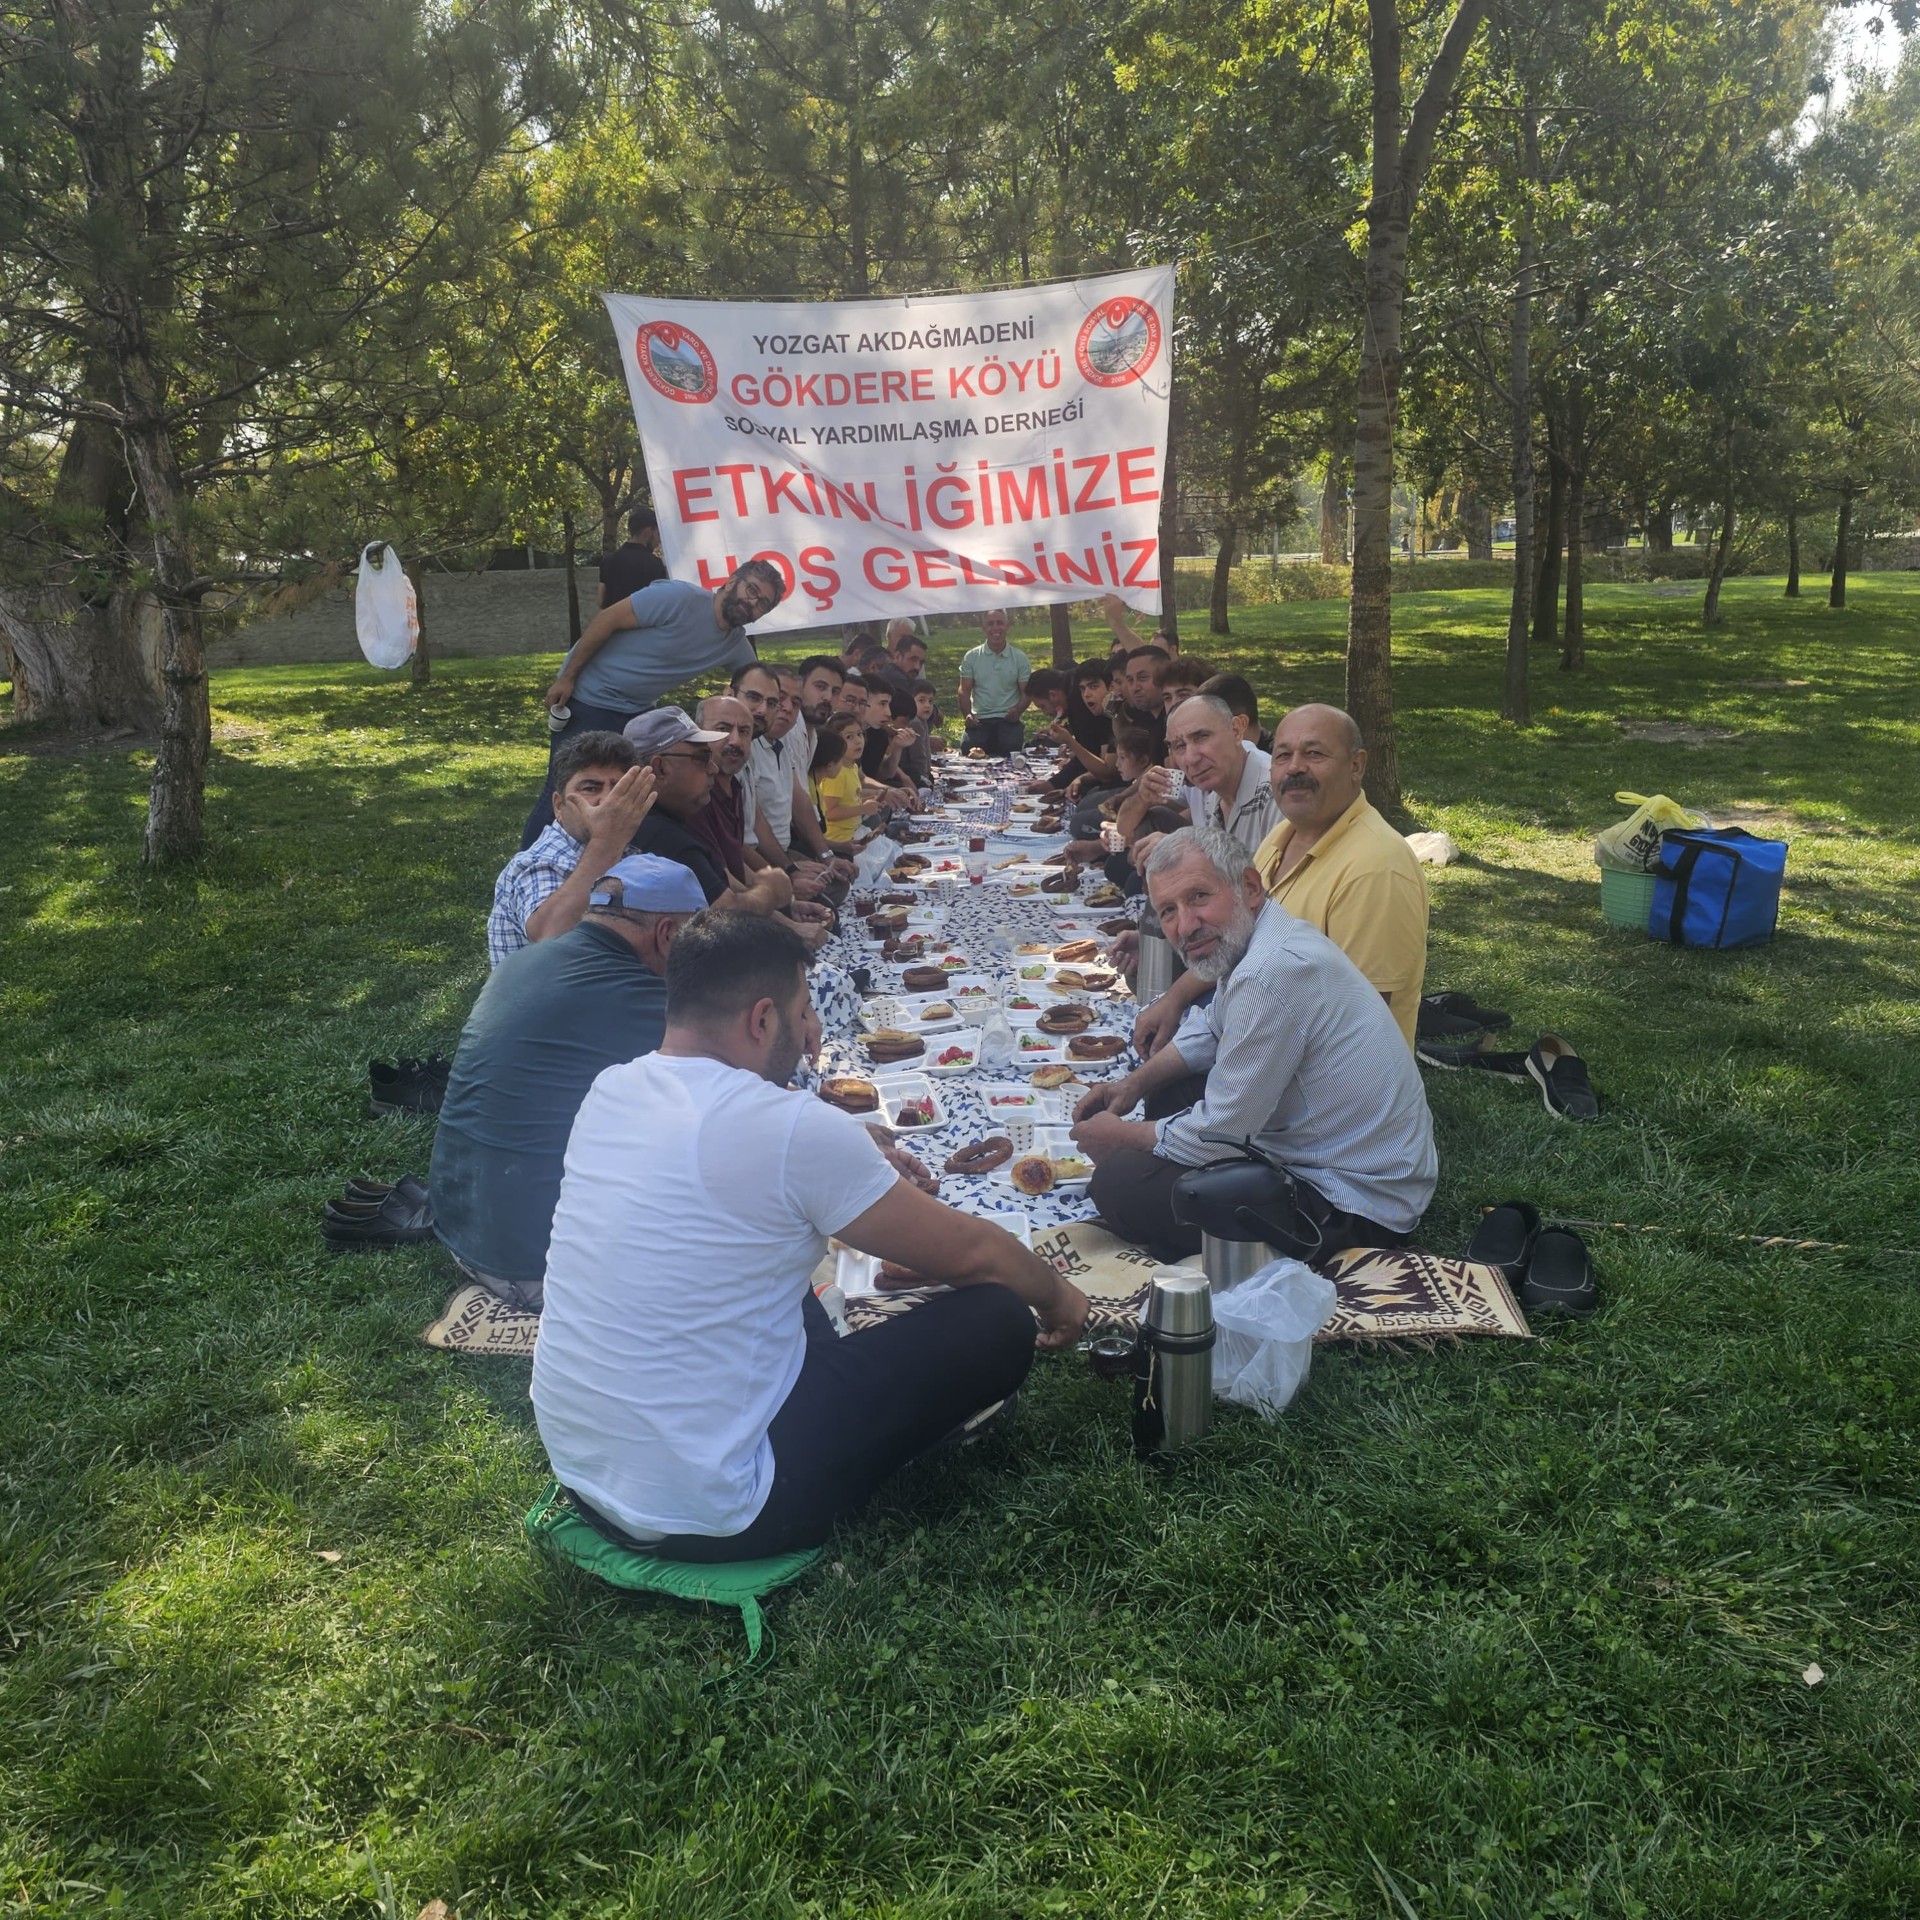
x,y
1296,1043
601,794
689,1387
550,1017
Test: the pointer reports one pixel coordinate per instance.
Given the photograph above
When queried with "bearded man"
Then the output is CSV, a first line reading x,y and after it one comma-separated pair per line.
x,y
1296,1045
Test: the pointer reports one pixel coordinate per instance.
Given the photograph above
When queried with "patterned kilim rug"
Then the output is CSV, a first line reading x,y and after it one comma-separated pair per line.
x,y
1384,1294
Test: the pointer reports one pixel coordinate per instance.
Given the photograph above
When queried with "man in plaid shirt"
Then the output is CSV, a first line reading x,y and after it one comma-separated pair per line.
x,y
601,793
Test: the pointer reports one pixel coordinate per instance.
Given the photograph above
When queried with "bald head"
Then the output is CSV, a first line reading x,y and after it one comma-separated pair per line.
x,y
1319,765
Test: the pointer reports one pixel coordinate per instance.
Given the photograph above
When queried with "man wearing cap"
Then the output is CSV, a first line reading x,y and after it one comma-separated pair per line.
x,y
550,1018
635,650
601,795
637,564
681,757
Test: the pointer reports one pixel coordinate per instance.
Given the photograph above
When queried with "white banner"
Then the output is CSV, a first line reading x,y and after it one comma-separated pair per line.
x,y
936,454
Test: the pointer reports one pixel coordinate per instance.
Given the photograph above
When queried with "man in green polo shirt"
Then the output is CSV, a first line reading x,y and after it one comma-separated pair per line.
x,y
993,690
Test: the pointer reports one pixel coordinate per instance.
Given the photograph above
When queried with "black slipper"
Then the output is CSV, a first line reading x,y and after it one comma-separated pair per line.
x,y
1434,1023
1462,1006
1448,1055
1559,1277
396,1222
1561,1076
1505,1238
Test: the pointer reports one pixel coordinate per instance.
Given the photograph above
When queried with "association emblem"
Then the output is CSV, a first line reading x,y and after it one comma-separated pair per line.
x,y
1119,340
676,362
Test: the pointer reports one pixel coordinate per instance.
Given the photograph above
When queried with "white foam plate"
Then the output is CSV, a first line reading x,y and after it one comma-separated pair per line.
x,y
1057,1144
1007,1100
903,1089
904,1012
967,1037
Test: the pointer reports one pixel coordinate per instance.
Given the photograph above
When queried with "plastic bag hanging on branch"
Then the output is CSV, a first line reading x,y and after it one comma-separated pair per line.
x,y
385,615
1633,846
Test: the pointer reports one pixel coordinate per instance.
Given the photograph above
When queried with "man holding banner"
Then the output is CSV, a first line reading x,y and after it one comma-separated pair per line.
x,y
644,646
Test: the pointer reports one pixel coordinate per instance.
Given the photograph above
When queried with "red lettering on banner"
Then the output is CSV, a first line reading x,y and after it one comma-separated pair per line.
x,y
924,559
898,575
1031,505
685,493
708,578
842,490
838,387
1083,502
866,390
975,579
1137,486
923,383
1069,572
1142,551
819,576
737,474
782,486
893,384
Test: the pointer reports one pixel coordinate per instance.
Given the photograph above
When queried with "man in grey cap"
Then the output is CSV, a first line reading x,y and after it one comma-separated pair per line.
x,y
680,754
550,1018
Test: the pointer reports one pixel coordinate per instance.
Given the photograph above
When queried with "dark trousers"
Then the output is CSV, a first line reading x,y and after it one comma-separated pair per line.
x,y
867,1404
1134,1192
582,719
1000,737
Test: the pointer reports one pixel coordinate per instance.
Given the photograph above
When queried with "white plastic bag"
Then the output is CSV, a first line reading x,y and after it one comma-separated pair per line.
x,y
873,860
1265,1340
384,613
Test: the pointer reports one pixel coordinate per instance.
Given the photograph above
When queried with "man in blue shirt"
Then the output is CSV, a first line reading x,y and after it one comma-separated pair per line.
x,y
640,648
550,1019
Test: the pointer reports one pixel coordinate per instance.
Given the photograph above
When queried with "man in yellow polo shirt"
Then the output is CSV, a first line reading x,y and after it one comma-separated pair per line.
x,y
1336,864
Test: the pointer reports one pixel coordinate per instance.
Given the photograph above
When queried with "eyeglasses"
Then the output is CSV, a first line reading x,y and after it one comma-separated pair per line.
x,y
687,753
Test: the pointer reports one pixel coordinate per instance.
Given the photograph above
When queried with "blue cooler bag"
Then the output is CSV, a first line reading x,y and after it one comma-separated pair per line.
x,y
1716,887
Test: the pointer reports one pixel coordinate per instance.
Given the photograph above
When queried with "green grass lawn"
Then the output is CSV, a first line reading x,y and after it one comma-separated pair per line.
x,y
1504,1629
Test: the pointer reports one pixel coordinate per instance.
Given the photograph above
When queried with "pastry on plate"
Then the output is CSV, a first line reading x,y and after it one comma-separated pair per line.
x,y
849,1094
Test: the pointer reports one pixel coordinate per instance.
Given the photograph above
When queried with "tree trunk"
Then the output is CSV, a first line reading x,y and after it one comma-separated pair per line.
x,y
1478,517
422,664
1060,620
1793,553
1515,700
1223,577
1546,595
1842,534
609,519
76,663
1399,166
1333,515
1717,572
573,582
1573,648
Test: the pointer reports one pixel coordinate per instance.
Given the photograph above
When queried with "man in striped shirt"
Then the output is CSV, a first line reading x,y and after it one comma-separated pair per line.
x,y
1296,1045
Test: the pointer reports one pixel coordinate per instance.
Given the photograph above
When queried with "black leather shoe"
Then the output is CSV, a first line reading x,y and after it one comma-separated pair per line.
x,y
1505,1239
1560,1277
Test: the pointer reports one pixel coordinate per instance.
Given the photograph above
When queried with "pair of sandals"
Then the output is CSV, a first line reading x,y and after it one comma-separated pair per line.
x,y
372,1214
1548,1268
1551,1064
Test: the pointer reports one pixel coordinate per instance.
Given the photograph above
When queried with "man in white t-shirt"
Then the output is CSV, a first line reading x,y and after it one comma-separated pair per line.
x,y
689,1388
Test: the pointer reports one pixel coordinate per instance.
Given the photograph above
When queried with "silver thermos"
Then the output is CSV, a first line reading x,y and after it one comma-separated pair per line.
x,y
1228,1262
1156,970
1173,1362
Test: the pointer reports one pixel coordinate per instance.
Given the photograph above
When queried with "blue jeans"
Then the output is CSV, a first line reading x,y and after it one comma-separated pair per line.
x,y
997,736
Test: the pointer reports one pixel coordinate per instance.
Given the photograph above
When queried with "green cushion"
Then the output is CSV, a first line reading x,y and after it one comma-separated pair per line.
x,y
556,1524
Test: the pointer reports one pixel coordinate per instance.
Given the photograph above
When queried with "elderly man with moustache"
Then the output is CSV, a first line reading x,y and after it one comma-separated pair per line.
x,y
1296,1044
1332,861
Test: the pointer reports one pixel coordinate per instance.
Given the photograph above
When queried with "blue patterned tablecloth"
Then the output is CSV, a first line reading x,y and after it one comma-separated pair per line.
x,y
979,916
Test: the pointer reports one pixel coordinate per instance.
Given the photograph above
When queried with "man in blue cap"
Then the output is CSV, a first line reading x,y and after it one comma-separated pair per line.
x,y
551,1017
